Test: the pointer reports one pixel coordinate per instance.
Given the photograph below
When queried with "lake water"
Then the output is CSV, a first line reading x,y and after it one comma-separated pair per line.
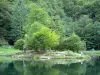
x,y
52,67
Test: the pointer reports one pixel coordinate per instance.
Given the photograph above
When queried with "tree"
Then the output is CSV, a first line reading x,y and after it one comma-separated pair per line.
x,y
43,39
81,25
71,8
18,19
56,13
93,38
36,13
88,31
92,9
69,26
35,27
5,20
73,43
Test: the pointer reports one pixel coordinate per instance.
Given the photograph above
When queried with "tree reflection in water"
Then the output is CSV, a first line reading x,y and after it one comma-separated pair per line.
x,y
50,68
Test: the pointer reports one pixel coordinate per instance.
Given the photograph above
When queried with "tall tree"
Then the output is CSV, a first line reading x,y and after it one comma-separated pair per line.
x,y
18,19
93,39
92,9
36,14
5,19
56,12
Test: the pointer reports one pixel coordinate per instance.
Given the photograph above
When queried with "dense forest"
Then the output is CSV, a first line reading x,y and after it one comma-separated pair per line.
x,y
50,24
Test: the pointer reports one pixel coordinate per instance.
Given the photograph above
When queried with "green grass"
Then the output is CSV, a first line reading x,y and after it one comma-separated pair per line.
x,y
5,51
8,50
92,53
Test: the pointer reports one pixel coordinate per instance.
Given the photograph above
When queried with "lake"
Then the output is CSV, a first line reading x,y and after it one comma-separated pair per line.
x,y
50,67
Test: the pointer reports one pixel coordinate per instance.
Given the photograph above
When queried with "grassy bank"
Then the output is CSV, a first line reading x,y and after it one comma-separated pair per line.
x,y
63,55
8,50
92,53
19,55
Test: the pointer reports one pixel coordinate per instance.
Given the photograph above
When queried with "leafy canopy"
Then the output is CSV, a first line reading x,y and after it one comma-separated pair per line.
x,y
44,39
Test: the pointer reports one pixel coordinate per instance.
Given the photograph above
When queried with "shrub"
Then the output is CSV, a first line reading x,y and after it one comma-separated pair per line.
x,y
44,39
3,42
73,43
35,27
19,44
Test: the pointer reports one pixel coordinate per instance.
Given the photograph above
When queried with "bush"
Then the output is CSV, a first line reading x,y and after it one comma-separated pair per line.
x,y
19,44
73,43
3,42
44,39
35,27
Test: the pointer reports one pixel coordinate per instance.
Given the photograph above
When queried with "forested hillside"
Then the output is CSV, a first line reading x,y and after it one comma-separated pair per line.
x,y
50,24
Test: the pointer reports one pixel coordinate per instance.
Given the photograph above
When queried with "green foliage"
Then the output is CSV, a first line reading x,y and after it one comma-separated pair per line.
x,y
5,19
36,57
70,7
83,23
19,44
88,31
36,26
18,19
92,9
68,26
73,43
93,41
36,13
3,42
43,39
56,13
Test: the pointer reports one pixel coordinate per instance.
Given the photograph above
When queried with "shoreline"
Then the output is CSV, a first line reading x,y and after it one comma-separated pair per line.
x,y
47,55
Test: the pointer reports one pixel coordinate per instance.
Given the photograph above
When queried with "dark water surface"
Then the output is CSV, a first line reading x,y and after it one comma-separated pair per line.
x,y
91,67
